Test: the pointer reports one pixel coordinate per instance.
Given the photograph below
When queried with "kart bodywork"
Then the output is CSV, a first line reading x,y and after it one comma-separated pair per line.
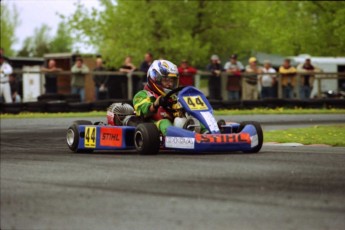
x,y
144,137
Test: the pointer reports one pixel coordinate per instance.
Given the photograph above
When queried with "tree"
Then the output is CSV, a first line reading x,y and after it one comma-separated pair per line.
x,y
171,29
62,42
292,28
37,45
9,21
42,42
196,29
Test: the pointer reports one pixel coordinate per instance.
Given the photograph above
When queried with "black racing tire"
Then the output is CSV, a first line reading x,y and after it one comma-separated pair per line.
x,y
147,139
72,136
260,134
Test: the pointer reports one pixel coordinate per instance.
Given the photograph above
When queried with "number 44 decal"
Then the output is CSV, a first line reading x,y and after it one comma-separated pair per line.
x,y
90,137
195,103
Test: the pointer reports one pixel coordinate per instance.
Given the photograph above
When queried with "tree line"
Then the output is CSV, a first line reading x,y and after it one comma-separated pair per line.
x,y
194,30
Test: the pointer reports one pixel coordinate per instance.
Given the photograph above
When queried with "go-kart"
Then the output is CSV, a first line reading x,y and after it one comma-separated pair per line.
x,y
195,129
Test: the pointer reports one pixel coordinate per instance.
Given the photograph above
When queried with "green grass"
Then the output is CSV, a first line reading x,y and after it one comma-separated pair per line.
x,y
329,135
279,111
54,115
217,112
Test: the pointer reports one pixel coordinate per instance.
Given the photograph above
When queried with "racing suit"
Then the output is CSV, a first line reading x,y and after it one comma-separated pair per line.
x,y
142,102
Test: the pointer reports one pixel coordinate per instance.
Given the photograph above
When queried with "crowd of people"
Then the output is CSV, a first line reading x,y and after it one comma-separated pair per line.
x,y
250,82
254,81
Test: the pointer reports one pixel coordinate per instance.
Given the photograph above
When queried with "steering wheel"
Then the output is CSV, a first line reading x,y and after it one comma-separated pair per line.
x,y
168,96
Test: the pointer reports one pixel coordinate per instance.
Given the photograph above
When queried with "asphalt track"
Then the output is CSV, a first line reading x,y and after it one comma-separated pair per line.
x,y
45,186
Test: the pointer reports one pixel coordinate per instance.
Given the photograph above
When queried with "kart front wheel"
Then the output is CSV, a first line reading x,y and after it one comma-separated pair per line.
x,y
72,136
147,139
259,133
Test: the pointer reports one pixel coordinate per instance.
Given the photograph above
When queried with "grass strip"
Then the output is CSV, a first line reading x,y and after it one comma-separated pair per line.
x,y
278,111
325,134
257,111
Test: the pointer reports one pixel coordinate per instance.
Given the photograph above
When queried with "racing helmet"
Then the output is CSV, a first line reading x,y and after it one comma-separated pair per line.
x,y
159,71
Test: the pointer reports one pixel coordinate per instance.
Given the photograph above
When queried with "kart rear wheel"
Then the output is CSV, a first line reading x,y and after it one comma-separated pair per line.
x,y
72,136
147,139
259,133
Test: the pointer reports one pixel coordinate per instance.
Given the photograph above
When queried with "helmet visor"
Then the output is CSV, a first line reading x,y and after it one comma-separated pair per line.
x,y
170,81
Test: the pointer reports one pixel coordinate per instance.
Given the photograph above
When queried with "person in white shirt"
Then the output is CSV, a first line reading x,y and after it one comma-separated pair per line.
x,y
267,81
5,89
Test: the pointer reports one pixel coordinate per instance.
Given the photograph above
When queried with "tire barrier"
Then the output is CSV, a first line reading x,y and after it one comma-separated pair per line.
x,y
56,106
79,107
34,107
68,106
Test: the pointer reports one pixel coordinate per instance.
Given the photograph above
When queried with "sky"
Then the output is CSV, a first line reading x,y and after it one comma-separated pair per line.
x,y
34,13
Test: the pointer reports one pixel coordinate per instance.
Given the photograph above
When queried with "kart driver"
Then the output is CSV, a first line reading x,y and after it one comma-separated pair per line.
x,y
162,77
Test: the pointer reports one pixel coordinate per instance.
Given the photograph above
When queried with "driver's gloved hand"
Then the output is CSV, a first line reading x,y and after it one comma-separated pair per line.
x,y
160,101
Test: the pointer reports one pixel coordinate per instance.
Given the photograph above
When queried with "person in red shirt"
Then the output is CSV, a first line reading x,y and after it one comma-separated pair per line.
x,y
186,73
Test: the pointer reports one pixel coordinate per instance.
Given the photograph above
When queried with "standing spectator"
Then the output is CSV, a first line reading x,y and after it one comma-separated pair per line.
x,y
5,71
79,70
307,80
186,73
100,80
128,68
14,89
214,82
114,86
267,80
51,77
144,67
234,69
288,78
250,82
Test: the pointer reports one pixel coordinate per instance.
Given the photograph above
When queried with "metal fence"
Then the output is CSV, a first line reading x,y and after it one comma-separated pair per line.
x,y
200,80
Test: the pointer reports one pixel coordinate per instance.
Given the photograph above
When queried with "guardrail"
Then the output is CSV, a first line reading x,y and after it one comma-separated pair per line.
x,y
203,75
319,77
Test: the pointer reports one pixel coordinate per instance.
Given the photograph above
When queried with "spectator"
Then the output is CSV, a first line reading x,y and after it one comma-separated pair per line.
x,y
100,80
186,73
121,80
288,78
114,85
79,70
307,79
214,83
14,89
234,69
51,85
144,67
250,82
5,71
128,66
267,80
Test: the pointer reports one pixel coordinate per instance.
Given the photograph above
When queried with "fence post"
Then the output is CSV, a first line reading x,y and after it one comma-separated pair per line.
x,y
280,86
197,81
318,86
129,86
298,83
223,88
